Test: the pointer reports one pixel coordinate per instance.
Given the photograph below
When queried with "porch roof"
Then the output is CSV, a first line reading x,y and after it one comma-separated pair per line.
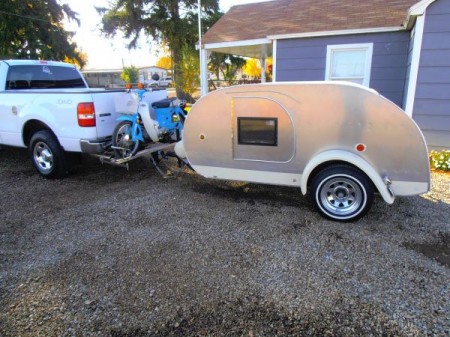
x,y
248,29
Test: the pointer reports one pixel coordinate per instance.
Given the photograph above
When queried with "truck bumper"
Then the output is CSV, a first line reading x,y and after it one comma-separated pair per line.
x,y
95,145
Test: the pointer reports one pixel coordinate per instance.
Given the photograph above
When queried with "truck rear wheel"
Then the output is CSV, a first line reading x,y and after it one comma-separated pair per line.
x,y
342,193
47,155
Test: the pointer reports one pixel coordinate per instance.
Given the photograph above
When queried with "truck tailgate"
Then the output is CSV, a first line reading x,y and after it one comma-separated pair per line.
x,y
105,111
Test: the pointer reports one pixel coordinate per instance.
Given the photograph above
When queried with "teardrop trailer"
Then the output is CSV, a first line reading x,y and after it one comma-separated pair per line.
x,y
338,142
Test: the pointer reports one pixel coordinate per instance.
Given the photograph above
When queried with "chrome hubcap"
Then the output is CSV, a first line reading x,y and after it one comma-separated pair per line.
x,y
43,157
341,196
124,141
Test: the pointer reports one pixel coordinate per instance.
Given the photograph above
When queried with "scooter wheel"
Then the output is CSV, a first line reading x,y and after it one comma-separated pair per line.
x,y
122,141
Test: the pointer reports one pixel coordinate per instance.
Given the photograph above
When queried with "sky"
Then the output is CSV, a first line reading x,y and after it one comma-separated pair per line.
x,y
106,53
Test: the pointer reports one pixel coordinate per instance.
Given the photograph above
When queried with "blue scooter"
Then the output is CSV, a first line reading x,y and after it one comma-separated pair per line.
x,y
161,122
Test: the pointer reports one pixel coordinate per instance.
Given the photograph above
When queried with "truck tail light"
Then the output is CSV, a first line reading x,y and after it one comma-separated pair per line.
x,y
86,114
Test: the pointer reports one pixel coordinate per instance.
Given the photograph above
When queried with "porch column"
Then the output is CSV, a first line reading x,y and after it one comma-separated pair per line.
x,y
263,69
274,61
203,72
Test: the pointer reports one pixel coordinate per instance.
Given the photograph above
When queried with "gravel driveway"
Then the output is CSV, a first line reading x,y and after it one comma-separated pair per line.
x,y
110,252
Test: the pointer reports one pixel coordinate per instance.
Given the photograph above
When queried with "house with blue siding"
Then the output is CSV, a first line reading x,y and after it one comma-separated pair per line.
x,y
400,48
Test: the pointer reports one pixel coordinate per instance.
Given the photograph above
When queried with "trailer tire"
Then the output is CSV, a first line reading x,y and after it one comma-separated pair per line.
x,y
47,155
342,193
122,140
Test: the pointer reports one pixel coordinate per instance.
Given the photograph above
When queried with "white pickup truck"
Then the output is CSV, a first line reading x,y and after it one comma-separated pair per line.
x,y
47,107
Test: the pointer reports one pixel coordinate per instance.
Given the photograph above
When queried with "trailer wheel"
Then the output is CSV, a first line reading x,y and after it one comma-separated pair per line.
x,y
342,193
47,155
122,140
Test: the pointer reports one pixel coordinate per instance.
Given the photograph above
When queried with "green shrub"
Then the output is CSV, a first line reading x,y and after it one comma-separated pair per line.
x,y
440,160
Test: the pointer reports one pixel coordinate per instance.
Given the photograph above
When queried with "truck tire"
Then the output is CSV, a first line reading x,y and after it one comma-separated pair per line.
x,y
342,193
47,155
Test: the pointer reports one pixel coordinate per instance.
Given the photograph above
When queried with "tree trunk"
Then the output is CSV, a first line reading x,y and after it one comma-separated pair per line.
x,y
175,45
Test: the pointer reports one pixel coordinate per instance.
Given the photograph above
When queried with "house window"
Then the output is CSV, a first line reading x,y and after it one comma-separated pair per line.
x,y
349,62
257,131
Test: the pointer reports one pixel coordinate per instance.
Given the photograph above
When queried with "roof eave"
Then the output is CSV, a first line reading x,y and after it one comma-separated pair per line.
x,y
420,7
415,11
241,43
336,32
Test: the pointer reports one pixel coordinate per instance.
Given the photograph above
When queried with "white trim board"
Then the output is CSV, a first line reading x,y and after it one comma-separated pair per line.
x,y
255,176
336,32
241,43
419,8
415,63
274,61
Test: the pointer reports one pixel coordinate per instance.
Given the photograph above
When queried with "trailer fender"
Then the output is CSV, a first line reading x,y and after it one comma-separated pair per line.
x,y
351,158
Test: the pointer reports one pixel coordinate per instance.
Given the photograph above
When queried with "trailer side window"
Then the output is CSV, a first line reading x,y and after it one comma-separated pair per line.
x,y
257,131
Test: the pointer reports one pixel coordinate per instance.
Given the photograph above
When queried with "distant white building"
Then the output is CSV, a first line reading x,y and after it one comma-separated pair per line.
x,y
105,78
110,78
146,73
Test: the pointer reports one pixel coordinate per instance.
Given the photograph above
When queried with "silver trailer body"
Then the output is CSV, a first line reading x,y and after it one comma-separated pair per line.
x,y
287,133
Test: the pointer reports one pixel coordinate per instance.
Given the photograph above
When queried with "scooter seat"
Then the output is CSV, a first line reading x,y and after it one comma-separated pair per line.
x,y
164,103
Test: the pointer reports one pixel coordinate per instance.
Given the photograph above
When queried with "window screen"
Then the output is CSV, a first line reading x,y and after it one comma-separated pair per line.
x,y
349,62
348,65
43,77
257,131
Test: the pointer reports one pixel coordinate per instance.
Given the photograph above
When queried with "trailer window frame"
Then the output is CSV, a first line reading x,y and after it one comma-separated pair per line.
x,y
268,136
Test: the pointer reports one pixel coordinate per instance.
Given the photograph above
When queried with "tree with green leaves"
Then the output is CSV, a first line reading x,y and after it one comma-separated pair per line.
x,y
190,72
130,74
227,65
190,78
33,29
167,21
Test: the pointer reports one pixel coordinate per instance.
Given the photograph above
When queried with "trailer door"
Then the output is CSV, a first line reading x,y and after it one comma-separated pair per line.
x,y
263,130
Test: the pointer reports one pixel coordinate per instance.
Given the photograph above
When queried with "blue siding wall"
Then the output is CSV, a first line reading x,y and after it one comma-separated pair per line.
x,y
432,101
305,60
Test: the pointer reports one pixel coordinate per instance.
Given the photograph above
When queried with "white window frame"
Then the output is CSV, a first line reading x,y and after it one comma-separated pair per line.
x,y
367,47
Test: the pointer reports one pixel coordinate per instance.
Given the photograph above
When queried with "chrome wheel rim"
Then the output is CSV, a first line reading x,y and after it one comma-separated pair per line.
x,y
124,140
341,196
43,157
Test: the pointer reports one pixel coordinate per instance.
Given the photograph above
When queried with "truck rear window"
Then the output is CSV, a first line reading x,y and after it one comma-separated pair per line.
x,y
43,77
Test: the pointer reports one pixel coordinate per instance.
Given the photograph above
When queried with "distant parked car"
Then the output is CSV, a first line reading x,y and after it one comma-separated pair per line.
x,y
151,83
165,82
